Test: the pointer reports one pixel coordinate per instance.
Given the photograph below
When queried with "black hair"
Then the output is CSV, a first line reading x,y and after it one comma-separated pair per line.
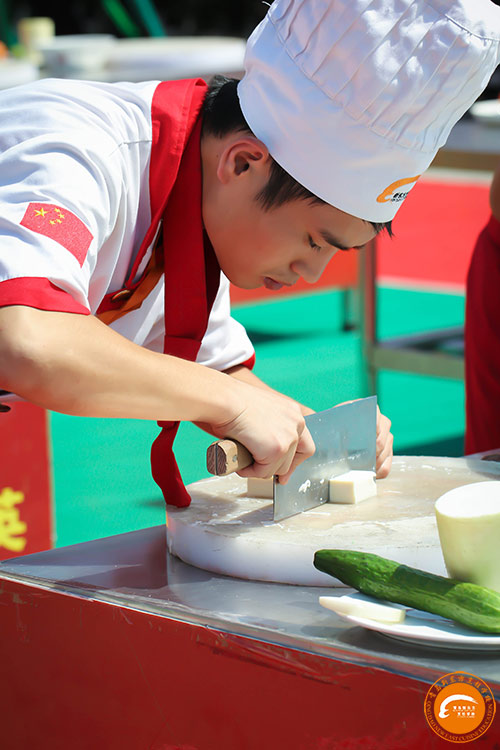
x,y
222,115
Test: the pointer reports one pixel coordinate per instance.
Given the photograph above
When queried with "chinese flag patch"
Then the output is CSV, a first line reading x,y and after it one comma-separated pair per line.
x,y
60,225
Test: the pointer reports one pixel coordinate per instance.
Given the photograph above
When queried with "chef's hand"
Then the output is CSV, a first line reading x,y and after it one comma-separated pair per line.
x,y
273,429
385,441
384,444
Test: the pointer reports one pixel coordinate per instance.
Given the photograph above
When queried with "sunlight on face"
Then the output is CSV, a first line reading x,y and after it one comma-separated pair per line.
x,y
278,247
270,248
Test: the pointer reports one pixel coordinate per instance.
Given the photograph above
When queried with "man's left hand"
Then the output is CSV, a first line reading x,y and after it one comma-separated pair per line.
x,y
385,441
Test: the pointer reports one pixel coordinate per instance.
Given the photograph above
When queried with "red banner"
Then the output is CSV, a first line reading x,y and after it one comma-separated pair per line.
x,y
25,483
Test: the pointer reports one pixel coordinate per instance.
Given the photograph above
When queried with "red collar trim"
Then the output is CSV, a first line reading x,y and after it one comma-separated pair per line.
x,y
174,112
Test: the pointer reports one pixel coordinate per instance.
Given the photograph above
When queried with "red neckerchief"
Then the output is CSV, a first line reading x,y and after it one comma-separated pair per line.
x,y
192,274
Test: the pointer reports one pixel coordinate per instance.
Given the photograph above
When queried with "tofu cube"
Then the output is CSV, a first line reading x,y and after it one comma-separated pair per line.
x,y
257,487
352,487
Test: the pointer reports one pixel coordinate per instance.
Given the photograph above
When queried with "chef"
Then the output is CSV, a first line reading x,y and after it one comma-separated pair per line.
x,y
126,209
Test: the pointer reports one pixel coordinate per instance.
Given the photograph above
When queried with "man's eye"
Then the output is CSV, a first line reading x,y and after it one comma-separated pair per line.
x,y
313,244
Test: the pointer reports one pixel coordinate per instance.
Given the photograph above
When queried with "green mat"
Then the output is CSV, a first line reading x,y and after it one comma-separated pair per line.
x,y
102,481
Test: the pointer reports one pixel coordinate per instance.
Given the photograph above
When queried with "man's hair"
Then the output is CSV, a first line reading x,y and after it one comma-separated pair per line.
x,y
222,115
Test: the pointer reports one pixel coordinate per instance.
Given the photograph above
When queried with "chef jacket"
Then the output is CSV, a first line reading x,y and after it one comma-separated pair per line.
x,y
92,175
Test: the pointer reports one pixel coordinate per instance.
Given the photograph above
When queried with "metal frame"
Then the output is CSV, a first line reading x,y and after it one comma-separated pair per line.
x,y
420,353
471,146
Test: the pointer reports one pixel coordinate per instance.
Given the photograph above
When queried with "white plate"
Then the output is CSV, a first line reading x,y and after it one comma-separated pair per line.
x,y
487,111
425,629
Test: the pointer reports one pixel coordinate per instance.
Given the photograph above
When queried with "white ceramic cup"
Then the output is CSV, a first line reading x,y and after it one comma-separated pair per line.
x,y
468,521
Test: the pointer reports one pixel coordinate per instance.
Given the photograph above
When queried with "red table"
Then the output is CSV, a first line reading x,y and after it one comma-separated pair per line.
x,y
113,644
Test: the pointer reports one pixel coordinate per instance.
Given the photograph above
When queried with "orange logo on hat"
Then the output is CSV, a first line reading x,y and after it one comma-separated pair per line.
x,y
459,707
390,194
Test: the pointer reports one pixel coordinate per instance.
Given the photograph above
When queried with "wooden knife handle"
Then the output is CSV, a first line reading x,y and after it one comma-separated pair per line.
x,y
226,456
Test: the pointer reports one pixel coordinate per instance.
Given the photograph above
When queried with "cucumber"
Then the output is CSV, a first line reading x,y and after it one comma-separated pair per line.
x,y
467,603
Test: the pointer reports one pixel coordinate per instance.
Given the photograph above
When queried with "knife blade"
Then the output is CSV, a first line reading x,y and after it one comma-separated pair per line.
x,y
345,438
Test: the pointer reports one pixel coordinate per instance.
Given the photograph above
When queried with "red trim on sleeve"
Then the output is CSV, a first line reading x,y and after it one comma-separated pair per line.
x,y
250,362
34,291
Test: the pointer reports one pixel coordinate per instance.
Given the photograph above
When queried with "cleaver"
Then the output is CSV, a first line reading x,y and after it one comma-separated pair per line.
x,y
345,438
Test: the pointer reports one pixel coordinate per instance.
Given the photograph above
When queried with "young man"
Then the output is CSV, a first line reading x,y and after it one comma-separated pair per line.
x,y
482,335
119,212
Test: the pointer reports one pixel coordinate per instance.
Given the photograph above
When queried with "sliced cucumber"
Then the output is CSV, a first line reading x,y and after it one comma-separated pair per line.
x,y
347,605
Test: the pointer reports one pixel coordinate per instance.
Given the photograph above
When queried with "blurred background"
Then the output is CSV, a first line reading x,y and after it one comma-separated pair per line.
x,y
174,17
386,320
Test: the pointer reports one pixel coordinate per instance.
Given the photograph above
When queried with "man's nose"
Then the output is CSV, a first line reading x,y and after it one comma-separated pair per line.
x,y
312,269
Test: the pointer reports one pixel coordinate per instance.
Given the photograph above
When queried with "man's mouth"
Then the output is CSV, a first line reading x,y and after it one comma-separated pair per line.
x,y
273,285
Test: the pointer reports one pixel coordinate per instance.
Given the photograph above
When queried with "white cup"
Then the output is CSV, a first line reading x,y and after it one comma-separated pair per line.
x,y
468,521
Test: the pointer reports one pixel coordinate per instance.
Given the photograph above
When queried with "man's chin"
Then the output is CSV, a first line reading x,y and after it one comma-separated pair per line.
x,y
244,284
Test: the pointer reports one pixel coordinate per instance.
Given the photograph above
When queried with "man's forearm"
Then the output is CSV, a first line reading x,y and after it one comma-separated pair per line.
x,y
77,365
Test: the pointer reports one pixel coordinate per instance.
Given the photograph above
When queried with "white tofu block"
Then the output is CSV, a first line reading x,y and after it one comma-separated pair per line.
x,y
352,487
346,605
257,487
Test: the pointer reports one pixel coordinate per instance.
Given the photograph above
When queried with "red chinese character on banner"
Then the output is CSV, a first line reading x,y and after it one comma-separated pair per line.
x,y
11,526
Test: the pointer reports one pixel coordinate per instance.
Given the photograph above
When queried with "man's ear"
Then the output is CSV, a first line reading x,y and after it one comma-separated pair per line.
x,y
244,154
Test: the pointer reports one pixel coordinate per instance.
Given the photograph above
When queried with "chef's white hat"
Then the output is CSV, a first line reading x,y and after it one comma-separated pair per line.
x,y
353,98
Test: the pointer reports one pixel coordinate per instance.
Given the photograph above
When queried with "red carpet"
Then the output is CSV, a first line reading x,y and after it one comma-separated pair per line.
x,y
435,231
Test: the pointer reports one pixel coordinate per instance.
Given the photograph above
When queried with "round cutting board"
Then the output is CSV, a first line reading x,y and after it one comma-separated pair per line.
x,y
227,532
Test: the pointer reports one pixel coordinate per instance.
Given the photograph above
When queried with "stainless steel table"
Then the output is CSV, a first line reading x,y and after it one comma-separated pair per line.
x,y
113,643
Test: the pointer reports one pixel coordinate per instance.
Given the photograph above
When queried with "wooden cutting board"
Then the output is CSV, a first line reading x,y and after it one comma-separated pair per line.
x,y
227,532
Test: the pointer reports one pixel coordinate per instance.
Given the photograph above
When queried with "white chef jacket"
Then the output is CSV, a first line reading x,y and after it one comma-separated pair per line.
x,y
77,154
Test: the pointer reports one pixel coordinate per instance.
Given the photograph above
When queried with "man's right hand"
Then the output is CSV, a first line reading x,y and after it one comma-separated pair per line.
x,y
272,428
